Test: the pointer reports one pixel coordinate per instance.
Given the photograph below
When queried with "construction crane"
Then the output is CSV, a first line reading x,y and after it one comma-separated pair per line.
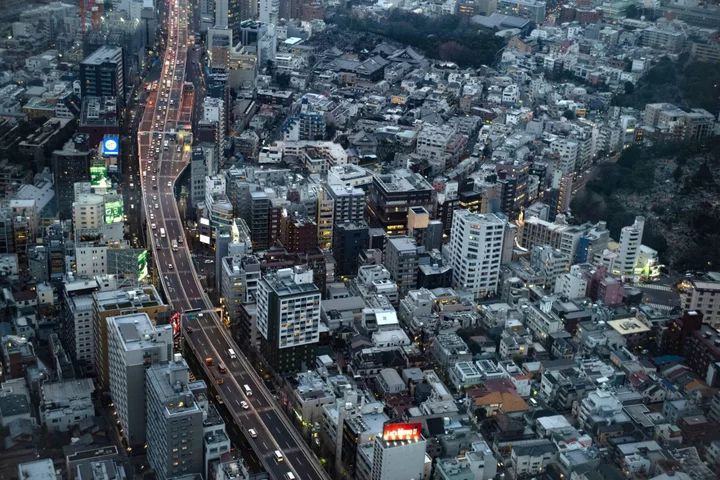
x,y
96,11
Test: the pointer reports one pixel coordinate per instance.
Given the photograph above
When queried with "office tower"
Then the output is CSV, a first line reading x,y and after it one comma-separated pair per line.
x,y
398,459
134,345
401,258
349,240
70,166
349,203
288,318
630,240
475,250
174,421
102,74
113,303
392,195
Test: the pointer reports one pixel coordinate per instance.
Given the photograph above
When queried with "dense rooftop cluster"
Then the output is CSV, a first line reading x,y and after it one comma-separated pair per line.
x,y
387,235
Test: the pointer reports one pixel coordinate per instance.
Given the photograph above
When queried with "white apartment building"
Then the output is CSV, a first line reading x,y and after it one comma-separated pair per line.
x,y
567,149
630,239
572,284
88,208
91,260
557,234
401,460
432,140
296,289
703,296
134,344
475,251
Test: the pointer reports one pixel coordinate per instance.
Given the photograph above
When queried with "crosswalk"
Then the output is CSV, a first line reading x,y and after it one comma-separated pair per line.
x,y
659,306
653,286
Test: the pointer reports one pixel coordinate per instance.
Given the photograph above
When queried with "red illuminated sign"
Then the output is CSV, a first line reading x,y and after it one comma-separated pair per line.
x,y
175,322
402,431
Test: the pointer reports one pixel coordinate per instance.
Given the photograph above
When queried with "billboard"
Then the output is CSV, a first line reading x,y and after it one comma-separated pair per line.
x,y
142,265
401,431
98,176
205,239
175,322
114,212
111,146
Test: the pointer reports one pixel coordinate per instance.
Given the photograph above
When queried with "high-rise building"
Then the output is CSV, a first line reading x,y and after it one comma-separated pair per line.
x,y
174,421
533,10
349,240
391,197
221,13
134,344
308,124
288,318
77,332
239,279
269,11
113,303
630,240
325,218
198,172
349,203
70,166
102,74
486,7
401,259
476,248
259,220
297,232
397,460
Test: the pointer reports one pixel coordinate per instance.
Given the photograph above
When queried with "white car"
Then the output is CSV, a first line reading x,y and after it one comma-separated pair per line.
x,y
154,197
244,405
169,184
170,266
252,432
157,206
153,226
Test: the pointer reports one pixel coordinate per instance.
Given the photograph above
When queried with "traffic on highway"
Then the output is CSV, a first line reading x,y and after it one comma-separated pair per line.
x,y
164,143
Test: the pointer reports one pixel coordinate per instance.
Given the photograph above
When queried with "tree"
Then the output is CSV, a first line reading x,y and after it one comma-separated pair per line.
x,y
283,80
704,175
678,173
632,12
569,114
629,88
